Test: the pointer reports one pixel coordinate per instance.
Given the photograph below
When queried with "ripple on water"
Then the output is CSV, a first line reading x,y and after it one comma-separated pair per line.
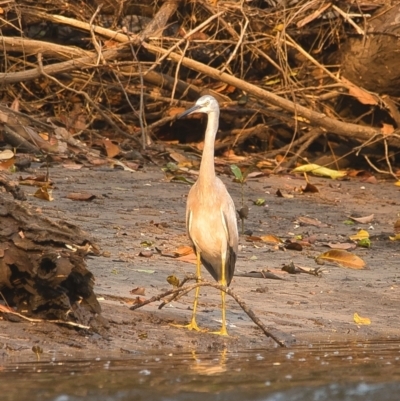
x,y
323,372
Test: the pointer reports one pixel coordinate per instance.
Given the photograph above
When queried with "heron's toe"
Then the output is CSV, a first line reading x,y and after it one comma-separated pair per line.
x,y
191,326
222,332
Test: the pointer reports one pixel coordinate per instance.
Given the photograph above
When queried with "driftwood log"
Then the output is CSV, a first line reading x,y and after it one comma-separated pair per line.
x,y
43,273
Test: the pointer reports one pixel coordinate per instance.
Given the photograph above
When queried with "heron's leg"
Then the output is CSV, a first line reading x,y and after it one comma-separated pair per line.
x,y
193,324
223,331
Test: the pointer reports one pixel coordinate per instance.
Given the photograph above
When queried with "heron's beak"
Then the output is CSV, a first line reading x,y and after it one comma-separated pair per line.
x,y
189,111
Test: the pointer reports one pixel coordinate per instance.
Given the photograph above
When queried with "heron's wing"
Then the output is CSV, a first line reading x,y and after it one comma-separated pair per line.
x,y
213,217
230,224
189,216
209,261
230,220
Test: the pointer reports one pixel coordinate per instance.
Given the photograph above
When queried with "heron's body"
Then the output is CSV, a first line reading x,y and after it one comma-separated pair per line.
x,y
210,229
210,214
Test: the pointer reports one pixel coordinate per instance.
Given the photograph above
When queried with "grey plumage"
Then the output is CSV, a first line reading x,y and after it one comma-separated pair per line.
x,y
210,213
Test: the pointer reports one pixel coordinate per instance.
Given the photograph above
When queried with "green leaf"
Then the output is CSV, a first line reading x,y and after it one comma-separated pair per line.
x,y
183,179
237,172
365,243
320,171
170,167
259,202
145,271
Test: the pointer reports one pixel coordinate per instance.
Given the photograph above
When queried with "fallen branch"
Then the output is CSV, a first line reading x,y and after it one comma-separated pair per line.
x,y
65,66
7,311
184,290
348,130
31,46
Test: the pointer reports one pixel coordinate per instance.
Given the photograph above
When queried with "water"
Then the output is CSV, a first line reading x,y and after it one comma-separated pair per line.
x,y
327,372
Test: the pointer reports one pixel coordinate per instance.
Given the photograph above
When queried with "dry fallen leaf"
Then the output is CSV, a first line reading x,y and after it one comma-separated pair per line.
x,y
294,246
191,258
369,180
183,250
310,188
283,194
44,193
268,164
362,234
111,148
182,160
363,220
138,301
253,238
343,258
6,164
387,129
265,238
81,196
72,166
138,291
360,94
308,221
271,239
361,320
6,154
176,253
397,226
343,245
37,181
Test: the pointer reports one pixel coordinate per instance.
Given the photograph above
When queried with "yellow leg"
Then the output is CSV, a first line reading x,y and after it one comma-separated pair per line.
x,y
193,324
223,331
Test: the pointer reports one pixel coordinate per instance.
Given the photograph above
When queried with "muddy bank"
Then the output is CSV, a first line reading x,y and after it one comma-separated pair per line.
x,y
133,209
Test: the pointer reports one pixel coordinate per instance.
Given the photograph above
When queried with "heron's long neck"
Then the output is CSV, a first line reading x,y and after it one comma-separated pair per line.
x,y
207,170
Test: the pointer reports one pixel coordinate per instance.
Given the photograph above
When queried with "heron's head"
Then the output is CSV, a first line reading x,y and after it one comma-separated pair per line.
x,y
206,104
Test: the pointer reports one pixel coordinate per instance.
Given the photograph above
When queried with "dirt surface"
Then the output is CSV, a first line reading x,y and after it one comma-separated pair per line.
x,y
131,208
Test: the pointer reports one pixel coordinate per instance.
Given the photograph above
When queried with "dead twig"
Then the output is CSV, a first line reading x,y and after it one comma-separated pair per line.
x,y
314,135
349,130
87,98
347,17
186,289
6,310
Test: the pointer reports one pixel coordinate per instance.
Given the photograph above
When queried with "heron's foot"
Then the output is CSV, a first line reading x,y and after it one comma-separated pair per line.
x,y
191,326
222,332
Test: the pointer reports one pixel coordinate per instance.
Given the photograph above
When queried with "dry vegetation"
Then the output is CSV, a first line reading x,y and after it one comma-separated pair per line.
x,y
290,80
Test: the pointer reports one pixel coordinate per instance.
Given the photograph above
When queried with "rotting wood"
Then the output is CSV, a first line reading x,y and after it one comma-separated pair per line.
x,y
42,266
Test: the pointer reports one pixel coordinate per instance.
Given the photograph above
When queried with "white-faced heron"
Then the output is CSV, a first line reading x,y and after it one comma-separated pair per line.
x,y
210,214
